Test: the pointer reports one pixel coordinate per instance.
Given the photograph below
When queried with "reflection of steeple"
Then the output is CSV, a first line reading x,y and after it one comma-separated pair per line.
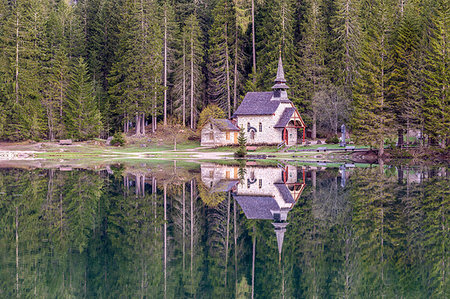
x,y
280,229
270,192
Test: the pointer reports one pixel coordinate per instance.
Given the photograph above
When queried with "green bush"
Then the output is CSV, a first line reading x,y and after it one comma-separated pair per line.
x,y
332,140
118,139
242,149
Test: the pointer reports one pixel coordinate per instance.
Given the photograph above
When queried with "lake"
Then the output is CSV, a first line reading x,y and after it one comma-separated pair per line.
x,y
236,231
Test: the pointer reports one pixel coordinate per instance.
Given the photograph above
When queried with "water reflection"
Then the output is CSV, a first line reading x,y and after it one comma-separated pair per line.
x,y
233,230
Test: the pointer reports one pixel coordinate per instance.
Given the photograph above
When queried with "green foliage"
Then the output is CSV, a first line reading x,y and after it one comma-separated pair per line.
x,y
211,111
83,117
242,141
332,140
118,139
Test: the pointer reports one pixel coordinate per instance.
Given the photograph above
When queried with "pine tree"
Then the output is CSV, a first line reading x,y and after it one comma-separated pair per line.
x,y
403,90
372,118
274,37
55,71
220,60
194,52
168,29
436,73
312,60
346,34
83,117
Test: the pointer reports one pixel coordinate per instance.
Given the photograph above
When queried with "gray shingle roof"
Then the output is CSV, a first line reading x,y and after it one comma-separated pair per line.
x,y
257,207
224,124
285,117
224,186
258,103
285,193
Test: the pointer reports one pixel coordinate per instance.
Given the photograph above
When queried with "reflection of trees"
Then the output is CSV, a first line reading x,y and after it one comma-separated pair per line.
x,y
89,234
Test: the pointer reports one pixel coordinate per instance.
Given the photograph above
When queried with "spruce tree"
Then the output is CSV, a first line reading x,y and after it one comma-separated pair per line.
x,y
194,50
436,73
221,40
372,118
83,117
312,61
402,85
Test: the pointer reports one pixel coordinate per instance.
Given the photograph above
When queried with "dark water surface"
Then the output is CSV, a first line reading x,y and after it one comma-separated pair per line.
x,y
210,231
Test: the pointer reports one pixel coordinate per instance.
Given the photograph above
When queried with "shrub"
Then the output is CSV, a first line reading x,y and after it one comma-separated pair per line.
x,y
332,140
118,139
242,150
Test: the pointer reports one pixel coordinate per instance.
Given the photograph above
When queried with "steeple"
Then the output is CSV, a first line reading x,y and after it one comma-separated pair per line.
x,y
280,87
280,72
280,229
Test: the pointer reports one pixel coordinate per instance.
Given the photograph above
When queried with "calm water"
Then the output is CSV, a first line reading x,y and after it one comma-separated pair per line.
x,y
209,231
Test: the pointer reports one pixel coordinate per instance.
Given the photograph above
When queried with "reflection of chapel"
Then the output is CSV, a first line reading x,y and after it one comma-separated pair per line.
x,y
263,193
266,117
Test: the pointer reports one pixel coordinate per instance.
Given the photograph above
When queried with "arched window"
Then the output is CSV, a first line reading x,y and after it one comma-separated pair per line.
x,y
260,127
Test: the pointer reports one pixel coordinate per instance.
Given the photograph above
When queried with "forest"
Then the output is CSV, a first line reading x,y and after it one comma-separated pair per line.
x,y
89,68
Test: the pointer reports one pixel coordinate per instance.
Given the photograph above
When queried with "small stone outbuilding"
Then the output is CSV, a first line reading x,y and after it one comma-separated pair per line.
x,y
219,132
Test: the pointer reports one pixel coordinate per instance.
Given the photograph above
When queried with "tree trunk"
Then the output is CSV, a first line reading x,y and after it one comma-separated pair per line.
x,y
17,56
138,124
192,80
227,66
236,42
184,226
17,252
184,81
314,128
253,41
400,138
381,149
165,66
143,124
165,240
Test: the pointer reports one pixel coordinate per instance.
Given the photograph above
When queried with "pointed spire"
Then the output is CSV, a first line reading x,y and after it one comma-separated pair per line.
x,y
280,72
280,229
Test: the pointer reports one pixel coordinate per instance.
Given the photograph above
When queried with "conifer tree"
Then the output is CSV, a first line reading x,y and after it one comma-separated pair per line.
x,y
372,118
194,52
276,37
312,64
436,73
220,60
346,33
83,116
403,90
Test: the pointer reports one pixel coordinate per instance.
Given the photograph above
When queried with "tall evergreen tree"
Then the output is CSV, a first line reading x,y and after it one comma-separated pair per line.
x,y
402,85
221,38
194,50
312,60
372,118
436,72
83,116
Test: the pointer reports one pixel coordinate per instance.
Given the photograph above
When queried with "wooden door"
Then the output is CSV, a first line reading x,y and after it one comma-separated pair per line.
x,y
235,137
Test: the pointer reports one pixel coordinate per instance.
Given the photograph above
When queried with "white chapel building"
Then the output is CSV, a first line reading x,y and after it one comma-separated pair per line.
x,y
266,117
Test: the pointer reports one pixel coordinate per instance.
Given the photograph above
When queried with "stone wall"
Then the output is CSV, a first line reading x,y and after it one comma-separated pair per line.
x,y
269,134
219,137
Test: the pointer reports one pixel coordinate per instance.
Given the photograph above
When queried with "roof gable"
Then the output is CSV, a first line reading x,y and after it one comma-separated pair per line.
x,y
258,103
285,117
257,207
224,124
